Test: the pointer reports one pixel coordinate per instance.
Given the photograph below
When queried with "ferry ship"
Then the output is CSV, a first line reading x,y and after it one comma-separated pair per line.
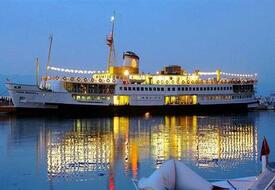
x,y
124,89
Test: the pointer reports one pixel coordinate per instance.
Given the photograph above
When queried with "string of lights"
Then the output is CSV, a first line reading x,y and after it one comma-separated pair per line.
x,y
229,74
207,73
94,72
74,70
239,75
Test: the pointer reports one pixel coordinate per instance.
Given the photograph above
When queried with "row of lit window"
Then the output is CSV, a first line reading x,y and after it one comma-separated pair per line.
x,y
226,97
149,97
90,98
129,88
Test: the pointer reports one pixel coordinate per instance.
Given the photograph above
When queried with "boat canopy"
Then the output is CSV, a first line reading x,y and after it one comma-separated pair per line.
x,y
172,175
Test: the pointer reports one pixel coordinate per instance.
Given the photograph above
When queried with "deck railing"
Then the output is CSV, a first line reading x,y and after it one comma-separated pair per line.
x,y
168,82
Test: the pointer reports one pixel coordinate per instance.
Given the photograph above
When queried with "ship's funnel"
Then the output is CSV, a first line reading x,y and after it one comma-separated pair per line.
x,y
130,59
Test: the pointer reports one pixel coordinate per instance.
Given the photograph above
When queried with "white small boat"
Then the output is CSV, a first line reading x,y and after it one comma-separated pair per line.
x,y
174,175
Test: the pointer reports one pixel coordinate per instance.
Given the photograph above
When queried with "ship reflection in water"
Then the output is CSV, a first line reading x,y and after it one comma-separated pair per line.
x,y
96,144
121,148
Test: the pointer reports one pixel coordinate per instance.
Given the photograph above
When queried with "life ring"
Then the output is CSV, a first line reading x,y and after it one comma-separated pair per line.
x,y
114,80
172,82
188,82
85,79
72,79
183,82
162,82
108,80
99,80
157,81
64,78
167,82
92,80
192,82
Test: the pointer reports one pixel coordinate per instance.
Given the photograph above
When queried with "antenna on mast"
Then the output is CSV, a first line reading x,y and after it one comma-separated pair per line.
x,y
49,59
110,43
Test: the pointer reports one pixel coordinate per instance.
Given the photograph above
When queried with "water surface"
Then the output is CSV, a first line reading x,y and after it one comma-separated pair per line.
x,y
106,153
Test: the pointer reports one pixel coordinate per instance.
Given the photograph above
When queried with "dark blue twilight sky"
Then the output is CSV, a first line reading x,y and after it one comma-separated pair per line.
x,y
233,35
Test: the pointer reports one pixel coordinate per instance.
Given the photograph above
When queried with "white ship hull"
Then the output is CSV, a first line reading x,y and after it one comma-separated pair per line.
x,y
31,97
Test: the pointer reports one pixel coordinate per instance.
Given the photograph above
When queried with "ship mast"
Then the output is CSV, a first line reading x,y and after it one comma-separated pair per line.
x,y
110,43
49,59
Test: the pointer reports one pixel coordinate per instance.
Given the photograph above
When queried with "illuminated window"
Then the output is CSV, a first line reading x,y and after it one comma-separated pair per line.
x,y
181,100
121,100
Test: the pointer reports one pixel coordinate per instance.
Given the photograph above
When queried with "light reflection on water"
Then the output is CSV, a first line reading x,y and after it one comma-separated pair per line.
x,y
105,153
